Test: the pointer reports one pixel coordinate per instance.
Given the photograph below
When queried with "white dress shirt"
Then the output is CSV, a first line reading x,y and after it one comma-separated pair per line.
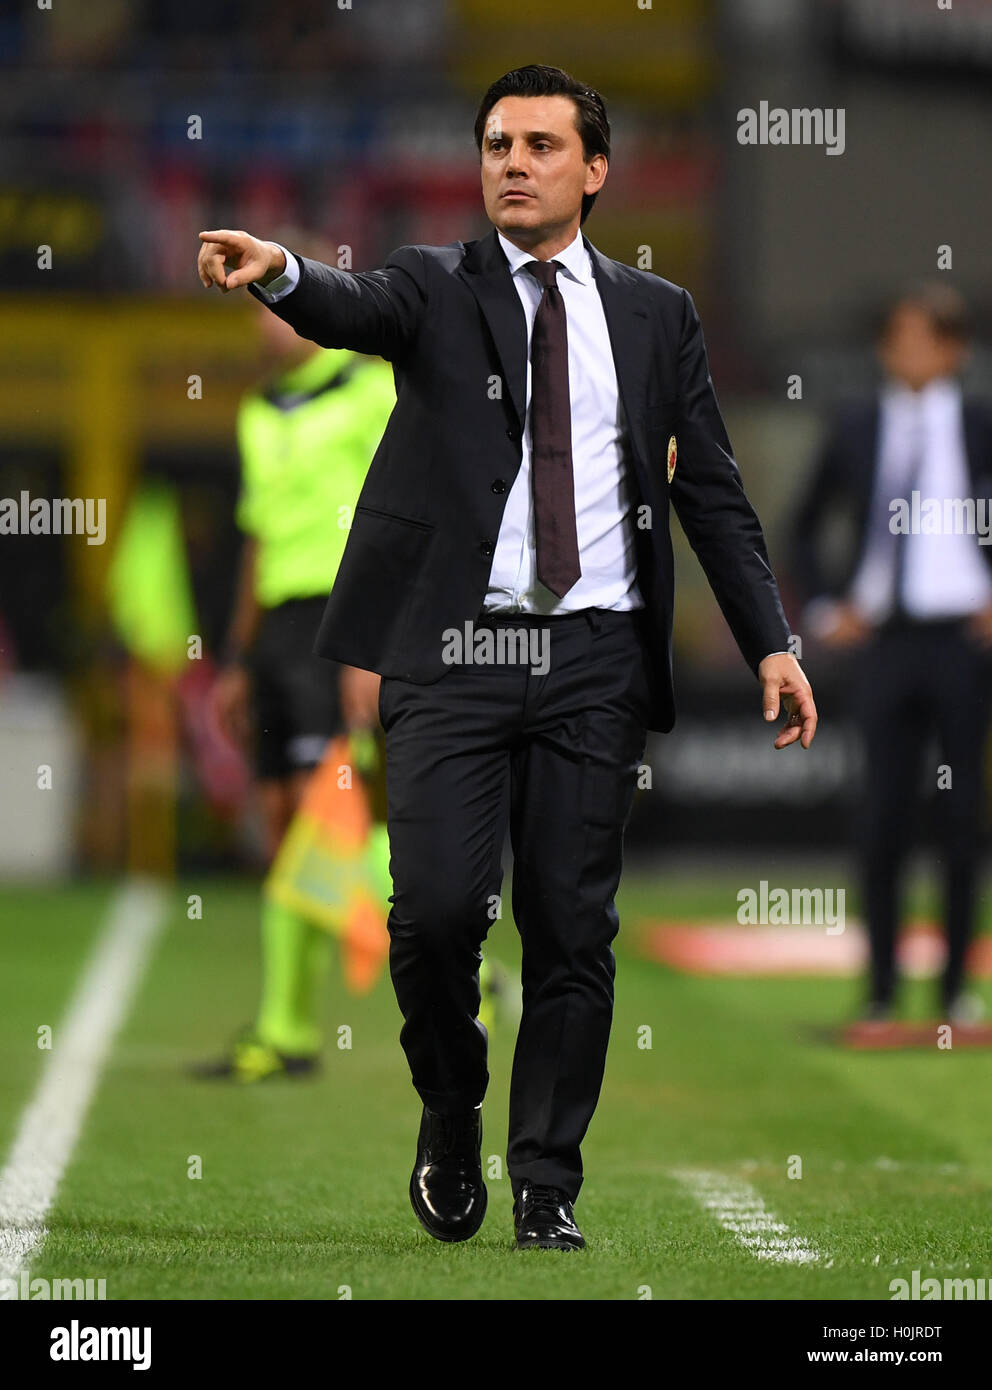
x,y
602,474
946,574
603,484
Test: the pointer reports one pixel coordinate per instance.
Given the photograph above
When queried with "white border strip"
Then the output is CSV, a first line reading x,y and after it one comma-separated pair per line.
x,y
51,1124
740,1209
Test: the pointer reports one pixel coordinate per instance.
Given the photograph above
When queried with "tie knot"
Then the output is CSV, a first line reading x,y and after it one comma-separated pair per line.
x,y
544,272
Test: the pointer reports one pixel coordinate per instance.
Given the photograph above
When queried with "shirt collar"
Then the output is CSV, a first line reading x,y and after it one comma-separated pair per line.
x,y
574,259
944,389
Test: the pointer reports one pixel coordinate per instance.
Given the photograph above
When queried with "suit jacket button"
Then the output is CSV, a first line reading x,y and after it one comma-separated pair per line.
x,y
486,548
498,485
511,433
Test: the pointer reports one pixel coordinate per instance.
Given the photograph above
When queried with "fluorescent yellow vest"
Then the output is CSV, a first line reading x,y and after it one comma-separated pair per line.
x,y
306,441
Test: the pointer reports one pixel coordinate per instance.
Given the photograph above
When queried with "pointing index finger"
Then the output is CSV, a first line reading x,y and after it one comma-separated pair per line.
x,y
223,237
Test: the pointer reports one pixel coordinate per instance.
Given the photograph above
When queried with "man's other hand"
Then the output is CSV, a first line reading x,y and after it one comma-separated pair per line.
x,y
230,703
230,259
846,627
784,683
359,698
979,626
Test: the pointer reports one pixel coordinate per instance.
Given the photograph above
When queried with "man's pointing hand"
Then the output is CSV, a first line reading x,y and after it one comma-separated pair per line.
x,y
230,259
783,681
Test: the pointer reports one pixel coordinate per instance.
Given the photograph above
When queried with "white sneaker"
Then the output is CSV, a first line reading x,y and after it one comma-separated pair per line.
x,y
966,1008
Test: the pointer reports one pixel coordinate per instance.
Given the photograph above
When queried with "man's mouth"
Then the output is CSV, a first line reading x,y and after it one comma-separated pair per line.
x,y
516,193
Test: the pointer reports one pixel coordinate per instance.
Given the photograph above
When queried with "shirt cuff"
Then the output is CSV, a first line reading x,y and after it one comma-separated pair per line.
x,y
283,284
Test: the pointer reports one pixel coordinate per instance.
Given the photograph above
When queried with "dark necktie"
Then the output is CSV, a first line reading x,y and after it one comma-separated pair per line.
x,y
902,540
551,438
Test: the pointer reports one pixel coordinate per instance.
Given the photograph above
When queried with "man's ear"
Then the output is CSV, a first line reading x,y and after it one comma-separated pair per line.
x,y
598,164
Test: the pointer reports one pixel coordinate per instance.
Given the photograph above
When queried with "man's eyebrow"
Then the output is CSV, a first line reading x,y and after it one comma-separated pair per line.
x,y
498,134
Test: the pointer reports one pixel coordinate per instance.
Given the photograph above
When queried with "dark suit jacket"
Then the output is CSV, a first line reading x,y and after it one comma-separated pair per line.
x,y
841,486
420,550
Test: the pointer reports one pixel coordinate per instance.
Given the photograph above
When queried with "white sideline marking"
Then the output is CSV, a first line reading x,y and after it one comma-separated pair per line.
x,y
740,1209
51,1124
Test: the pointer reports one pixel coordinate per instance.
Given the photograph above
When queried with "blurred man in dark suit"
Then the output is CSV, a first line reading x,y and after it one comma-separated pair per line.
x,y
911,468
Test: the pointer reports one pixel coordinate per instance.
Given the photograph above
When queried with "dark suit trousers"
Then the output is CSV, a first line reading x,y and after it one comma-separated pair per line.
x,y
923,696
555,758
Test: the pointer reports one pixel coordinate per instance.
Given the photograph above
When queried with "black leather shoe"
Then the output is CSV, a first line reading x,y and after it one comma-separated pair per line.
x,y
446,1189
543,1219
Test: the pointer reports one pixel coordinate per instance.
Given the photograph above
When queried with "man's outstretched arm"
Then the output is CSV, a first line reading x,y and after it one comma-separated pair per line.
x,y
376,311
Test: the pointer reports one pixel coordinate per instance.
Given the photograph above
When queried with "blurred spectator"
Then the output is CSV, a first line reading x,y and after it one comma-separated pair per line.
x,y
911,472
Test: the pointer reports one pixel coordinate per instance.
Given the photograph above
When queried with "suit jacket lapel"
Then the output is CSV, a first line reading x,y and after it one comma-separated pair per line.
x,y
976,450
629,328
487,274
866,465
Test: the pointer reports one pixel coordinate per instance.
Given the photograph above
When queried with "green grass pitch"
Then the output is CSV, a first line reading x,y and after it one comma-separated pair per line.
x,y
303,1191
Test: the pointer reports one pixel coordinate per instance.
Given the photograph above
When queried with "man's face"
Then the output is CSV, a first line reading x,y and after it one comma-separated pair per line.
x,y
534,172
913,353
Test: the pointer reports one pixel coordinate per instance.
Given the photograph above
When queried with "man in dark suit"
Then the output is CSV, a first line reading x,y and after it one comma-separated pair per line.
x,y
509,575
910,597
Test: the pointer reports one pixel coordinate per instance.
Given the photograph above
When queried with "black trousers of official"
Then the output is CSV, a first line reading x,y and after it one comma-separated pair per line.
x,y
554,757
922,685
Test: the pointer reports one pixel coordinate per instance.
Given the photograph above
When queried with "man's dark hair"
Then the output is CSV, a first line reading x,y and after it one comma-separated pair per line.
x,y
539,80
943,306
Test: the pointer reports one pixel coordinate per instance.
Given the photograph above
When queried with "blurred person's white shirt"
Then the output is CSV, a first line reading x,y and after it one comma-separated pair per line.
x,y
945,574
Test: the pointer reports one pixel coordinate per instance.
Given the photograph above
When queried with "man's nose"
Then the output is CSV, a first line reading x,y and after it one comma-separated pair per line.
x,y
518,161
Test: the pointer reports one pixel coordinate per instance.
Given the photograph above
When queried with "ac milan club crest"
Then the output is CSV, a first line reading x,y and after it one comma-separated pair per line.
x,y
672,455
